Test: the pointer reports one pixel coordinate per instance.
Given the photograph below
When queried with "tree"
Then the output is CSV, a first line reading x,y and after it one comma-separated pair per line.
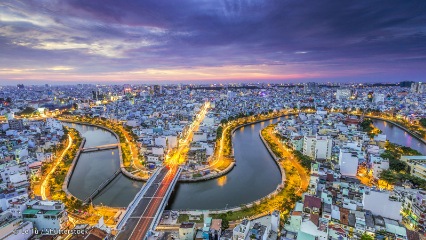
x,y
225,222
397,165
423,122
365,236
26,111
219,132
388,176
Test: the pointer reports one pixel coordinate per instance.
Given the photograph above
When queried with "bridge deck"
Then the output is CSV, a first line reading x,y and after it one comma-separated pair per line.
x,y
138,224
98,148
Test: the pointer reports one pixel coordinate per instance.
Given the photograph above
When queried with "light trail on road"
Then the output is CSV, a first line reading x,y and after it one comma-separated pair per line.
x,y
58,161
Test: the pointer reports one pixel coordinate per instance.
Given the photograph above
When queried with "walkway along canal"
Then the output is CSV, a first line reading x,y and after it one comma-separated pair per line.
x,y
93,168
255,176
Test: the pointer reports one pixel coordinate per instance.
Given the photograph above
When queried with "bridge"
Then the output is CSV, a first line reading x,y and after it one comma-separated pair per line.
x,y
101,187
144,212
100,148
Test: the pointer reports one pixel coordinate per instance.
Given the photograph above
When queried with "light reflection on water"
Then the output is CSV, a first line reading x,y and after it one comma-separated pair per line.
x,y
396,135
222,181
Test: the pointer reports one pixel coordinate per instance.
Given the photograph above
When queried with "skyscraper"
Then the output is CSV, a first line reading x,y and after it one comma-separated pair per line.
x,y
310,87
418,87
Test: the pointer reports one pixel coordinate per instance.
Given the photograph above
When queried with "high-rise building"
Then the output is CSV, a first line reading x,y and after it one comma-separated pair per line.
x,y
343,94
97,95
158,90
378,98
317,147
16,124
310,87
418,87
348,162
127,88
406,84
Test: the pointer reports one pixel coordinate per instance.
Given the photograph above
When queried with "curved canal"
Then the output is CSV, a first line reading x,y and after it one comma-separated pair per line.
x,y
396,135
93,168
255,175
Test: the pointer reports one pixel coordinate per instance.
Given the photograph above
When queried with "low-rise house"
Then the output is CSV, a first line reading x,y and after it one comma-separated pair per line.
x,y
48,216
187,231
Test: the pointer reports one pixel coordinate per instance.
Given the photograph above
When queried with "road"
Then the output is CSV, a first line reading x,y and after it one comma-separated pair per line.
x,y
45,183
303,175
140,220
179,156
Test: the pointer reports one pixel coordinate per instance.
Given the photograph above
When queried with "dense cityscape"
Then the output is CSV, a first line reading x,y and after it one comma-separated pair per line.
x,y
212,120
343,161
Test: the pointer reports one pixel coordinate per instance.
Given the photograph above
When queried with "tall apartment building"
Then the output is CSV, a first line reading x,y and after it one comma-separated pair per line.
x,y
378,98
310,87
418,87
417,165
16,124
48,216
343,94
348,162
318,147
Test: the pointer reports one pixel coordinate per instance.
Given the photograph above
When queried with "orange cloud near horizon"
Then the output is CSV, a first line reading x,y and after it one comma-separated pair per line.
x,y
231,72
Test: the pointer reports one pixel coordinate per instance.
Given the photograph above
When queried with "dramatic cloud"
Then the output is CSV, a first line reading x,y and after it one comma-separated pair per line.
x,y
130,40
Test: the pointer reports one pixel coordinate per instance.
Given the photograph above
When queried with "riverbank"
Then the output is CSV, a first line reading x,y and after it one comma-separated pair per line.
x,y
123,166
225,162
59,173
413,134
44,188
71,169
283,198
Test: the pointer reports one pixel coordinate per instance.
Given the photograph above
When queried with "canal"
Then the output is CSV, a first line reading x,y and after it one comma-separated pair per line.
x,y
255,175
93,168
396,135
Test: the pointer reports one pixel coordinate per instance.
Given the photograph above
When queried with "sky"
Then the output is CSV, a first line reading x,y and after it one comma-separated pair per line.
x,y
80,41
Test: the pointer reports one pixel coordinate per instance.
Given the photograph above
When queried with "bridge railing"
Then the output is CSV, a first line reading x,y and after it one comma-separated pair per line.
x,y
101,187
164,201
99,148
136,199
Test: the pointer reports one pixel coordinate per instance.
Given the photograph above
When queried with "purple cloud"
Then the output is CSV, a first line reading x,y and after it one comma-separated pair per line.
x,y
362,40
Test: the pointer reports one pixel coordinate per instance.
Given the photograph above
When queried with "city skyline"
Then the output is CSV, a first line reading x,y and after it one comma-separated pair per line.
x,y
65,42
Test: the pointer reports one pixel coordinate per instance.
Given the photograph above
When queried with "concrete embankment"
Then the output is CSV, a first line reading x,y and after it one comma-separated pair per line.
x,y
71,169
400,126
277,159
269,196
209,176
232,165
122,167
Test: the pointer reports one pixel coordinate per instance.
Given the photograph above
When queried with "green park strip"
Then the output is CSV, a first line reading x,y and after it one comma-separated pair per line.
x,y
132,161
399,171
283,199
57,178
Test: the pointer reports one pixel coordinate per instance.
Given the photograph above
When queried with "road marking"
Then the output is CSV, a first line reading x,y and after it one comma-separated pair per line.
x,y
146,208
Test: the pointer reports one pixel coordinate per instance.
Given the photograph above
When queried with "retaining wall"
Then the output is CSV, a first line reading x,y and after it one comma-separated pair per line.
x,y
71,169
400,126
122,167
